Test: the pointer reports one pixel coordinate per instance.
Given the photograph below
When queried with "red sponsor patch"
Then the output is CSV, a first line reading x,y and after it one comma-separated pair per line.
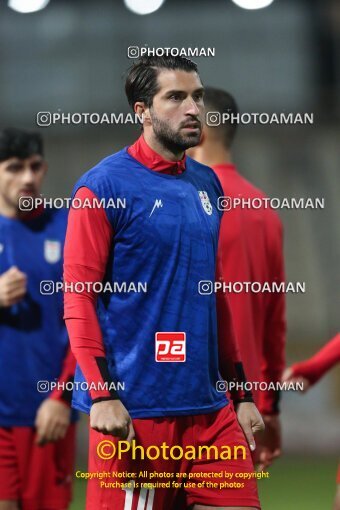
x,y
170,346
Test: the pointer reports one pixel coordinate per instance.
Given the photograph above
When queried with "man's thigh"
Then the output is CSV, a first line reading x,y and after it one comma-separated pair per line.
x,y
9,470
114,490
35,477
124,480
224,477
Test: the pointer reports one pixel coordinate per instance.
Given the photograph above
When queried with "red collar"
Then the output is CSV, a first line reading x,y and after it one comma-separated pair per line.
x,y
141,151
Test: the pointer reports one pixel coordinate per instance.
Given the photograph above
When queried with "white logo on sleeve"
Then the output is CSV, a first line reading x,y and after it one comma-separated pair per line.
x,y
52,251
1,248
158,203
205,202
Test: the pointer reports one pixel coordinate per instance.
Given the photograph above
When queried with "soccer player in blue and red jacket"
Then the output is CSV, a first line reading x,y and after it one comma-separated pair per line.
x,y
166,236
37,438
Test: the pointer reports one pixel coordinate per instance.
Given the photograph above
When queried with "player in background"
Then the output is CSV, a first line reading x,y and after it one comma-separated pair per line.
x,y
250,250
167,236
310,371
37,439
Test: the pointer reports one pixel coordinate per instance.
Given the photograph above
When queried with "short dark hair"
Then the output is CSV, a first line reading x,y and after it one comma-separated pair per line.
x,y
15,143
141,81
218,100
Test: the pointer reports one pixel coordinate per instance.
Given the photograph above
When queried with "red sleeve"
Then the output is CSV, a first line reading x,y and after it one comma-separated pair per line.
x,y
314,368
87,245
67,375
273,355
230,364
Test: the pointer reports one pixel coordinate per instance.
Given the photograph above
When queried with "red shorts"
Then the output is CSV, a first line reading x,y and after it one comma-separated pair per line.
x,y
38,476
338,475
205,481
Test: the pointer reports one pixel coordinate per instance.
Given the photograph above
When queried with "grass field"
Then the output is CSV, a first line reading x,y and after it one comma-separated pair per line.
x,y
295,483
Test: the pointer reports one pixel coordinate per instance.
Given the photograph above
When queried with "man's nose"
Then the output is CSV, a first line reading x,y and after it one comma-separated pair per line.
x,y
192,108
28,175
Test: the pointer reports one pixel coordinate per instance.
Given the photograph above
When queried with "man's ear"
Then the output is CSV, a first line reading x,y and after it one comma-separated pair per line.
x,y
142,111
45,166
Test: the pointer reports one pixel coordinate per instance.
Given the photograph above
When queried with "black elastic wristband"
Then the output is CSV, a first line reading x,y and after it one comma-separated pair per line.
x,y
104,372
241,378
243,399
66,395
276,403
103,399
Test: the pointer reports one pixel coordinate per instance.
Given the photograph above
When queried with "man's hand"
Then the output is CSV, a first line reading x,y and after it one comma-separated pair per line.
x,y
111,417
13,287
269,442
288,376
52,420
250,420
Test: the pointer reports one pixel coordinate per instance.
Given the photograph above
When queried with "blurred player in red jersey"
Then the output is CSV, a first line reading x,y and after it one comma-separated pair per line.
x,y
310,371
250,250
37,436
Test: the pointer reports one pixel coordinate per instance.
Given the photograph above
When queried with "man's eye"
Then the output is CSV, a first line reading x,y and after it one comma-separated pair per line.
x,y
175,97
36,167
14,169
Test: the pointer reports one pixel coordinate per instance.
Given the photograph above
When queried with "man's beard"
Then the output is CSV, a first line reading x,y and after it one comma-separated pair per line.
x,y
173,140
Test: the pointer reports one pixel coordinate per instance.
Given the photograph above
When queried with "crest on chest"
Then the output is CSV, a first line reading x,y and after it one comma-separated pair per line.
x,y
205,201
52,251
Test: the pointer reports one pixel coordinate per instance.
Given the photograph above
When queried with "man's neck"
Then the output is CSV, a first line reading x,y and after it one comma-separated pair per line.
x,y
156,146
212,155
